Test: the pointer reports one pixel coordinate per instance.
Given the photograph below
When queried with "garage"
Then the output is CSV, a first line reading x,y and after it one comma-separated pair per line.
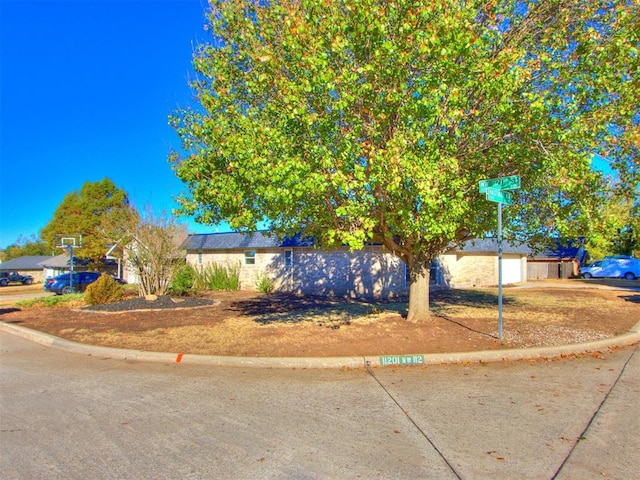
x,y
475,264
511,269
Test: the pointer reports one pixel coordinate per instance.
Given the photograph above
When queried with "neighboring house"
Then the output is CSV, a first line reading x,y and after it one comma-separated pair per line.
x,y
29,264
59,264
125,255
561,261
295,265
119,255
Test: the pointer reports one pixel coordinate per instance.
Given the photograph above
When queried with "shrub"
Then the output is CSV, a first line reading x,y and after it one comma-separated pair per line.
x,y
184,280
233,277
214,276
264,284
103,290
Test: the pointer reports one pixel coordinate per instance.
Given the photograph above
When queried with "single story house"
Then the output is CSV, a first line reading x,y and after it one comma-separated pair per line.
x,y
28,265
296,265
59,264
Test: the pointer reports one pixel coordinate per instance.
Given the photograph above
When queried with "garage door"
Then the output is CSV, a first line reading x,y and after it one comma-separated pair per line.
x,y
511,270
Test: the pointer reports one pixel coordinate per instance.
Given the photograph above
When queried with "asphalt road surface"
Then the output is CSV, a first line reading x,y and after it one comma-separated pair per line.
x,y
72,416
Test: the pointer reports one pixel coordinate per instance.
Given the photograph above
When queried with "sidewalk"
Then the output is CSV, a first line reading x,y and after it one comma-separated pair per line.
x,y
65,416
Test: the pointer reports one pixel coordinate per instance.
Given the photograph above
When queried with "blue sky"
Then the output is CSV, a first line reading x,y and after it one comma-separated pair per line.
x,y
86,87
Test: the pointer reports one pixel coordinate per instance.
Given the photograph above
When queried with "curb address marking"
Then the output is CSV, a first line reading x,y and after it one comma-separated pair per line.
x,y
401,360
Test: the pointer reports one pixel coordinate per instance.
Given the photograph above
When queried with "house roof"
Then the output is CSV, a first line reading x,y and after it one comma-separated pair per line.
x,y
235,240
29,262
484,245
62,261
59,261
571,250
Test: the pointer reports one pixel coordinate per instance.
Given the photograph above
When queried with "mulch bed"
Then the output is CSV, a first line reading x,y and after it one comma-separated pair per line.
x,y
161,302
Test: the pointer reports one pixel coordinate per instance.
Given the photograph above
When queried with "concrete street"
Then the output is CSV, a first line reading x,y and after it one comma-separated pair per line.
x,y
66,415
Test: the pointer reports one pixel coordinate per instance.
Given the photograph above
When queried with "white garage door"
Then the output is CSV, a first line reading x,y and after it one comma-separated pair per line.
x,y
511,270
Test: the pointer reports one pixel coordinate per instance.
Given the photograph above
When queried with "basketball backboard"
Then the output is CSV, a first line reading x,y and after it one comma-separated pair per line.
x,y
66,240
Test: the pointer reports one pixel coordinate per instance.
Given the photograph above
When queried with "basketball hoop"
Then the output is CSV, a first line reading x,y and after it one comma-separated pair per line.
x,y
69,242
66,241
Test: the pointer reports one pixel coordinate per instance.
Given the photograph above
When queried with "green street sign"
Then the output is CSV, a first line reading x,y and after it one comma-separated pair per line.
x,y
495,195
502,183
496,190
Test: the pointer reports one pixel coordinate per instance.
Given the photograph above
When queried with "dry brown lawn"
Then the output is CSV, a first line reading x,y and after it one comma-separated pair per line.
x,y
252,324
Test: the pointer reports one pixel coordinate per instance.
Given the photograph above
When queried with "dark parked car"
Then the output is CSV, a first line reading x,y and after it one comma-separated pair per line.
x,y
61,284
14,277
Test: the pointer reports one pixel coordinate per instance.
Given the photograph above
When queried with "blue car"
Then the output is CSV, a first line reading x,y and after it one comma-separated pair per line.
x,y
61,284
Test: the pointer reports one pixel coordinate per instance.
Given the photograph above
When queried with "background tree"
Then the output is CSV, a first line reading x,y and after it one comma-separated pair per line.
x,y
618,233
84,212
372,121
25,247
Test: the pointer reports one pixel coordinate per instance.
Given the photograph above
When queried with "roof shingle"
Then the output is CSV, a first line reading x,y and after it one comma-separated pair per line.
x,y
235,240
28,262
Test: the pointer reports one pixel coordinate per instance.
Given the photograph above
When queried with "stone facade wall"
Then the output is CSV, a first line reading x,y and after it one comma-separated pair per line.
x,y
370,273
38,275
249,274
460,270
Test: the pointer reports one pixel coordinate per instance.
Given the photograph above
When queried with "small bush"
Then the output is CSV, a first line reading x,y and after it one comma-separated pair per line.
x,y
184,280
103,290
264,284
214,276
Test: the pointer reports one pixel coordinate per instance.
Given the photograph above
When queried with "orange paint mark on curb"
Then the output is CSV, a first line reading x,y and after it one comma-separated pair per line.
x,y
179,358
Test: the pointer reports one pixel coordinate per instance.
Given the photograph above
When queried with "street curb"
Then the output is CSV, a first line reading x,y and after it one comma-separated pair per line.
x,y
485,356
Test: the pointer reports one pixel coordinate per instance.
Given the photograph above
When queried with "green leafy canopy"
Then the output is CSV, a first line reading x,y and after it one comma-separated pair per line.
x,y
84,212
369,120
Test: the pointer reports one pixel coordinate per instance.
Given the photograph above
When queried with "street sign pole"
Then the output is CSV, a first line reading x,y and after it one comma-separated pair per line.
x,y
497,190
499,271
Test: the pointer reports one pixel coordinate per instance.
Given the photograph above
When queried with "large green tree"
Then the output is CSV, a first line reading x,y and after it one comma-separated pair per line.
x,y
84,212
373,121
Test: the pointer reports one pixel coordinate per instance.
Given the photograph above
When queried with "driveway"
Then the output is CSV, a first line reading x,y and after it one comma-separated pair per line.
x,y
14,293
72,416
602,283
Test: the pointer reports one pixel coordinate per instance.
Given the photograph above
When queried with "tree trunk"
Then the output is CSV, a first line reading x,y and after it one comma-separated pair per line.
x,y
419,293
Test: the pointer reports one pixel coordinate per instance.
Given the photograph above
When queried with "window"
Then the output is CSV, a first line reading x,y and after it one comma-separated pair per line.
x,y
199,258
250,257
434,274
288,258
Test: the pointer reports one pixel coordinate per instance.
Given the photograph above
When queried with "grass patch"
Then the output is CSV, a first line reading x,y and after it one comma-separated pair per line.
x,y
69,300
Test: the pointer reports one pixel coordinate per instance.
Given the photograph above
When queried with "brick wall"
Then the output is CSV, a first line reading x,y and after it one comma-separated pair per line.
x,y
461,270
369,273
